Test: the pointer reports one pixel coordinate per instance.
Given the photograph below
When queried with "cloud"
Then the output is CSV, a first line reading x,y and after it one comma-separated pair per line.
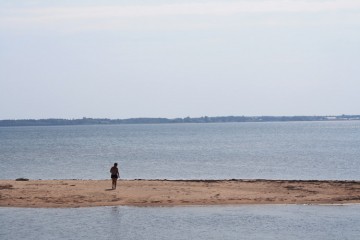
x,y
110,13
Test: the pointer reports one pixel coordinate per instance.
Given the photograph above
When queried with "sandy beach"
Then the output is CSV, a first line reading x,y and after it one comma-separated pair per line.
x,y
91,193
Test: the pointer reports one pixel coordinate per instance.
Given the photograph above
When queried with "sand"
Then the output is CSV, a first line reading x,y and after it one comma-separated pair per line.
x,y
91,193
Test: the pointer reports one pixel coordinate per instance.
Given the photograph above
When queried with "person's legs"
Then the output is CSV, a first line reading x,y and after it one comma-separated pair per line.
x,y
113,183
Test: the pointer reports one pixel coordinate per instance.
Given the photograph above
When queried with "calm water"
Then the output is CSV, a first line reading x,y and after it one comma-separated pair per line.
x,y
244,222
292,150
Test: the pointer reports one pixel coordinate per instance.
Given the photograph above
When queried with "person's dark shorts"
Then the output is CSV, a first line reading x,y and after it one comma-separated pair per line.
x,y
114,176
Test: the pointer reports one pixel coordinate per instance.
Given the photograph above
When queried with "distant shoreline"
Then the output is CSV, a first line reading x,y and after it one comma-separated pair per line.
x,y
205,119
92,193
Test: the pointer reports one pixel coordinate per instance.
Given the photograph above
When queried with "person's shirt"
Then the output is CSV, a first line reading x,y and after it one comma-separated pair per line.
x,y
114,170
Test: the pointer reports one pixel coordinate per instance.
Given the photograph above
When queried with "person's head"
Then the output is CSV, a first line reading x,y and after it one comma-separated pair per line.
x,y
115,164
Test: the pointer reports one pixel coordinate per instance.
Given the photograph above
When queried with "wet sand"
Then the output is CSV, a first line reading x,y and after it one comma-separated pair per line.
x,y
91,193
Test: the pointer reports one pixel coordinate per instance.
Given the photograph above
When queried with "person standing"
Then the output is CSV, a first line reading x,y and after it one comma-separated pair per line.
x,y
114,175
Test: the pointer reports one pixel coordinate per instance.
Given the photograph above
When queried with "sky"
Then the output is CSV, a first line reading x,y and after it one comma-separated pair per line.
x,y
154,58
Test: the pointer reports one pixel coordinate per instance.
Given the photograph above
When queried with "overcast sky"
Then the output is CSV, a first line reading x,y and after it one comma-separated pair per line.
x,y
123,59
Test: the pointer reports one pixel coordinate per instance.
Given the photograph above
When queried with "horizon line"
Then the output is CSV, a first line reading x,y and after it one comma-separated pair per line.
x,y
172,118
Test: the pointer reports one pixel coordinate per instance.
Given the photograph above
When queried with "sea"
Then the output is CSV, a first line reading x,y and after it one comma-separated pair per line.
x,y
268,150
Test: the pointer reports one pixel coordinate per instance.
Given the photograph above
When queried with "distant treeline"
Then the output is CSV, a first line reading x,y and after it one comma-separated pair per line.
x,y
94,121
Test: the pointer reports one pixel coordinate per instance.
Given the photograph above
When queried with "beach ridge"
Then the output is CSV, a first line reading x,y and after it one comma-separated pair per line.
x,y
163,192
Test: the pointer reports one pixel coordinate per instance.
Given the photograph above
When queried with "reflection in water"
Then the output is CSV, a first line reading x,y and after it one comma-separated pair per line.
x,y
237,222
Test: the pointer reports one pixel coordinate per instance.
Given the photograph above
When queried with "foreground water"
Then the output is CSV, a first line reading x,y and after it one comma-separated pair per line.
x,y
243,222
287,150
